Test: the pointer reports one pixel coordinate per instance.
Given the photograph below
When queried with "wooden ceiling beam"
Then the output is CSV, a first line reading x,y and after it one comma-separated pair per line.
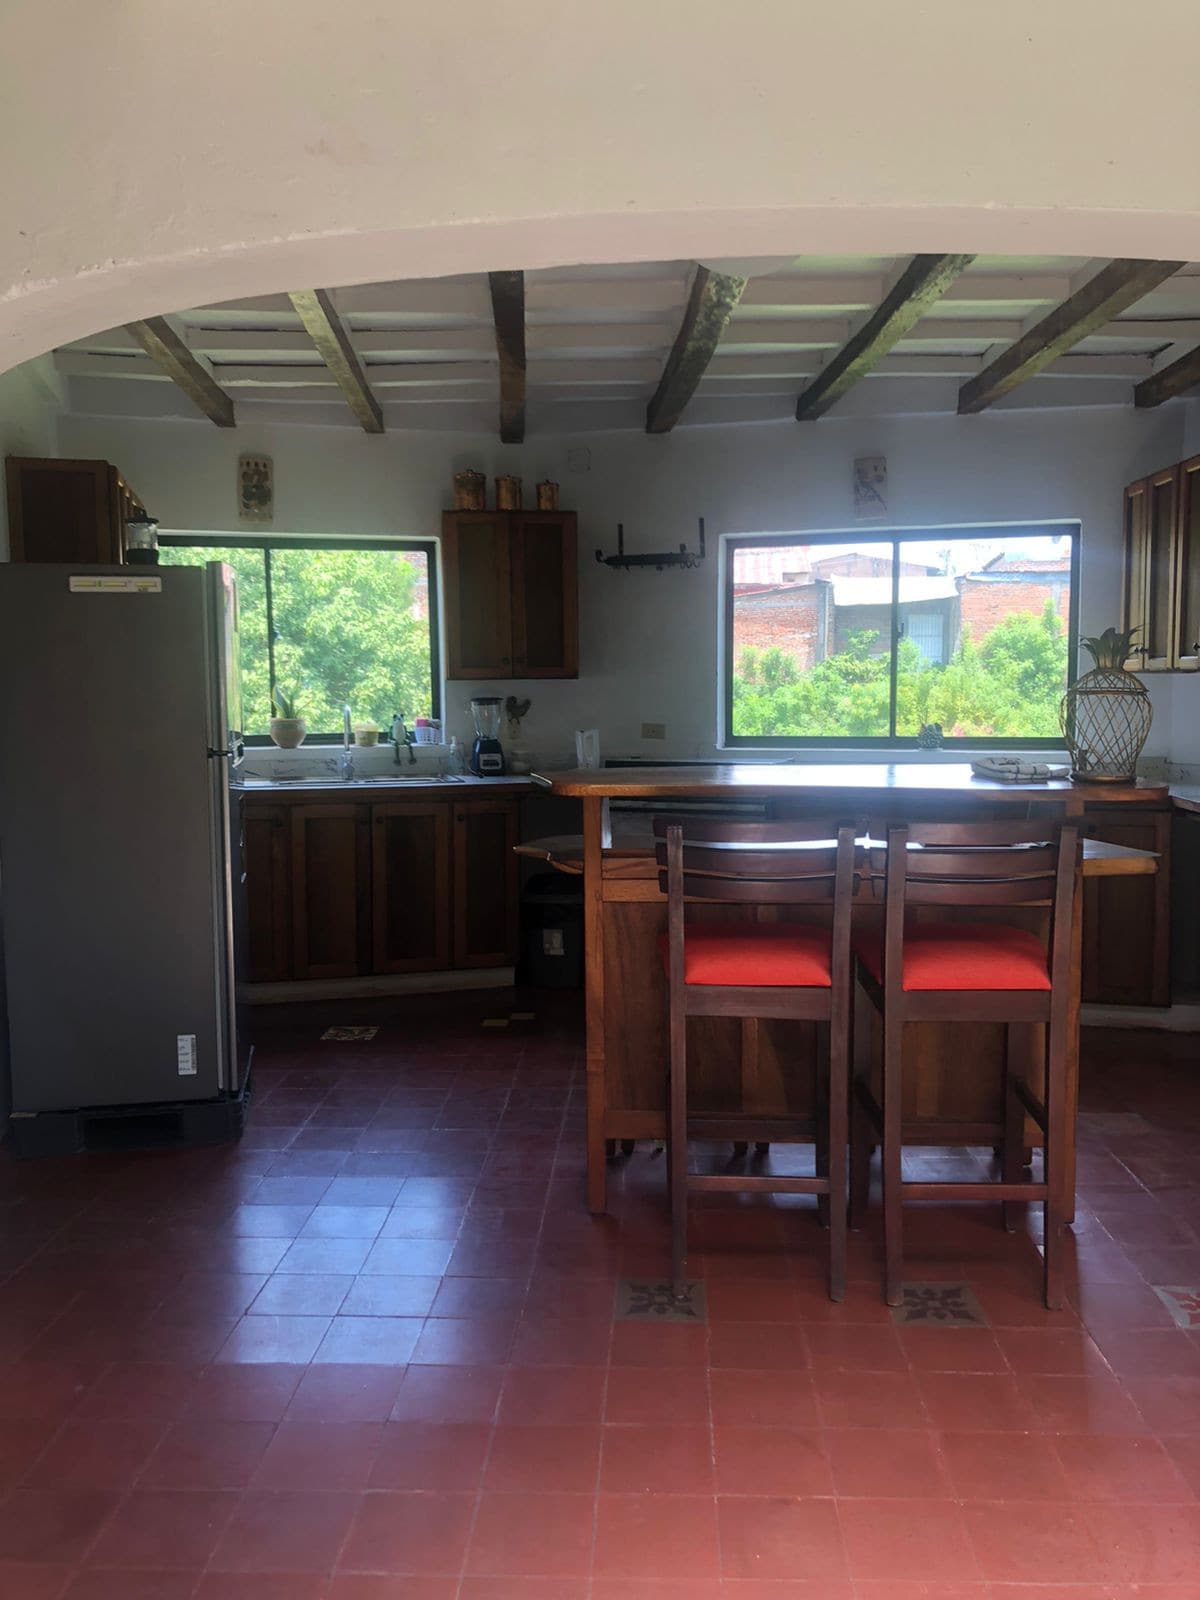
x,y
921,285
328,333
1169,381
508,313
710,305
160,341
1114,289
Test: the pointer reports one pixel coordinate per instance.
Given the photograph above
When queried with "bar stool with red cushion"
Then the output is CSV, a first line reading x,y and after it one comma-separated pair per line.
x,y
777,969
942,970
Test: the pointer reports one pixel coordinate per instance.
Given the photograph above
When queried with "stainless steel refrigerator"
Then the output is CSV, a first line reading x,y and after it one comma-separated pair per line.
x,y
120,862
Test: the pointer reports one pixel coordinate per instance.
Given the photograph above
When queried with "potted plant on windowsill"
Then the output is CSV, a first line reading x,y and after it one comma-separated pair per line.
x,y
287,729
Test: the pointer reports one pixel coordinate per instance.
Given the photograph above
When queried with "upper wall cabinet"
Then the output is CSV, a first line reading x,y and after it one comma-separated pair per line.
x,y
72,511
512,594
1161,574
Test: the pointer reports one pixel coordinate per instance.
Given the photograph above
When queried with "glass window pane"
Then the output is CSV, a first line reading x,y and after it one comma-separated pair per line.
x,y
983,635
252,615
812,640
352,628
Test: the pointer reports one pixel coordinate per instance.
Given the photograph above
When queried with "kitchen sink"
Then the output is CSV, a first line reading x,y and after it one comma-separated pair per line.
x,y
334,782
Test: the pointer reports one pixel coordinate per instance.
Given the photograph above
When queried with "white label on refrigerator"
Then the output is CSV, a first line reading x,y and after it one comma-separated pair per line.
x,y
106,584
186,1050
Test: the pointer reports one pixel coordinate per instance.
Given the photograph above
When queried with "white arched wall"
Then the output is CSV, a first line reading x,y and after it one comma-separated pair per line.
x,y
161,155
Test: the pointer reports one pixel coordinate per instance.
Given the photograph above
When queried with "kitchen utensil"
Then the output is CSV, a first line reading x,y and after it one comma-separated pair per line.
x,y
487,753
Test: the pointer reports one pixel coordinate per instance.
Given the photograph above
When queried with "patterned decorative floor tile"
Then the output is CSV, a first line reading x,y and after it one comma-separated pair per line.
x,y
1182,1301
656,1300
940,1305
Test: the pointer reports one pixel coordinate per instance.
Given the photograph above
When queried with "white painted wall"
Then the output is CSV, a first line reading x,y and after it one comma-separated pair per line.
x,y
151,157
649,640
28,422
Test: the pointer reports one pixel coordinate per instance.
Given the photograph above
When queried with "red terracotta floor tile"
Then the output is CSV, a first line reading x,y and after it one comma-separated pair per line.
x,y
431,1455
911,1539
656,1537
533,1535
449,1394
869,1400
52,1525
260,1586
1070,1351
46,1390
1026,1542
302,1294
1124,1469
369,1341
284,1531
1185,1453
209,1455
560,1341
763,1399
95,1455
274,1340
464,1341
885,1462
373,1586
544,1459
423,1534
758,1346
953,1350
991,1401
665,1459
1155,1544
359,1393
320,1455
648,1396
771,1461
121,1583
164,1528
643,1344
1066,1404
781,1538
1003,1466
553,1395
527,1589
253,1393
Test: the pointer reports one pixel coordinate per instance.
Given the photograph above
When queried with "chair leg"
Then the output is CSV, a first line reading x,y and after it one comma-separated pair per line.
x,y
677,1146
860,1125
821,1116
838,1135
1055,1149
1012,1156
893,1196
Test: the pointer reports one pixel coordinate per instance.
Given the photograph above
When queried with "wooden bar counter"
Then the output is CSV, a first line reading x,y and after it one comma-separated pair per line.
x,y
759,1068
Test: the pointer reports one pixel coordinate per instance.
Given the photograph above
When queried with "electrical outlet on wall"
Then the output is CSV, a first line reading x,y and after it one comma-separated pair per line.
x,y
654,730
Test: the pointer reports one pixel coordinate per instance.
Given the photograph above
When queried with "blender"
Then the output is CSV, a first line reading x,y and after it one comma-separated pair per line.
x,y
487,755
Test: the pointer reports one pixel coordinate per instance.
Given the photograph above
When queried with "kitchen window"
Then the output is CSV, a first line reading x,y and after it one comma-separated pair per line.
x,y
329,623
861,639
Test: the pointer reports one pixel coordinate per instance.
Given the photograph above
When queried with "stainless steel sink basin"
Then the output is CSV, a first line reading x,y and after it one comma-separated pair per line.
x,y
334,782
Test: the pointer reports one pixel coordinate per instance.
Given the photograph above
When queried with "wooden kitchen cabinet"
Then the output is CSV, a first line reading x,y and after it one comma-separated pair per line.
x,y
1127,920
1160,583
410,887
485,884
69,511
341,889
266,857
511,584
331,875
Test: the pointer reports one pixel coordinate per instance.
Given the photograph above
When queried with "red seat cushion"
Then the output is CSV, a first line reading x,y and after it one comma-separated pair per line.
x,y
963,955
764,955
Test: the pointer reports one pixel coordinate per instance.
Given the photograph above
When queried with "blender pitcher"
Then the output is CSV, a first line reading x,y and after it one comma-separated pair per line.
x,y
487,754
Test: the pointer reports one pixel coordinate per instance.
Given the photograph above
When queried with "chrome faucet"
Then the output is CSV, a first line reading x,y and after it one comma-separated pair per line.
x,y
346,764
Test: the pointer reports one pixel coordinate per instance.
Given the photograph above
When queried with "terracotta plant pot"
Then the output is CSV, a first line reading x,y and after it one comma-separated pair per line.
x,y
288,732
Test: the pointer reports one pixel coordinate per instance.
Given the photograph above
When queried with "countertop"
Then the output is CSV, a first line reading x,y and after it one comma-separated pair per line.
x,y
384,787
873,778
1186,796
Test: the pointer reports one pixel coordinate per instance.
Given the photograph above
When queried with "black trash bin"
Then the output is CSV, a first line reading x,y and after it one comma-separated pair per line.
x,y
552,932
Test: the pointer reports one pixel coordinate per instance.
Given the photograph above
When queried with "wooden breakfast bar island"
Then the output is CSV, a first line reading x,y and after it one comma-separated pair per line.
x,y
753,1069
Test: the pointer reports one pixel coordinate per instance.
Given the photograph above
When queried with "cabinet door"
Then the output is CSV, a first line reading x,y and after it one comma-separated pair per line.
x,y
545,595
1187,568
268,868
1127,921
331,856
1133,573
475,567
62,511
1160,569
485,884
410,897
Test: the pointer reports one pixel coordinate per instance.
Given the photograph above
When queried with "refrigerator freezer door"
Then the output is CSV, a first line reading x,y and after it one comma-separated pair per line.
x,y
107,818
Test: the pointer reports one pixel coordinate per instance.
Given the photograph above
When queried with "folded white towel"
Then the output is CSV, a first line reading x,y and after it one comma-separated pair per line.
x,y
1012,769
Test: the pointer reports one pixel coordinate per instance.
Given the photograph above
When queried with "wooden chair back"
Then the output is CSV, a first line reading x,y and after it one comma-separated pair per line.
x,y
984,864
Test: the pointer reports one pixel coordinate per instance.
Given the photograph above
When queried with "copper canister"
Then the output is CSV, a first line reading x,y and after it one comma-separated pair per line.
x,y
470,491
508,494
547,495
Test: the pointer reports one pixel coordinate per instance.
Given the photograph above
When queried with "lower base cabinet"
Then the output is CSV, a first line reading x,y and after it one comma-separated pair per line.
x,y
343,889
1127,921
